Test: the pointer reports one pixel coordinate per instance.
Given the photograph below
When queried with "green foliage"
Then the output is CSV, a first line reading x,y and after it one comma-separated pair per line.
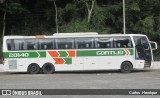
x,y
34,17
11,7
148,23
134,7
75,26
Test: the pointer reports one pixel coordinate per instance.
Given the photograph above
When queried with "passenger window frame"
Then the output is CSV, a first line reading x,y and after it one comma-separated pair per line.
x,y
83,43
64,43
48,42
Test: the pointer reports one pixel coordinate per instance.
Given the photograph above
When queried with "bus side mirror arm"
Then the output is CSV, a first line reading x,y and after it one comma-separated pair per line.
x,y
153,43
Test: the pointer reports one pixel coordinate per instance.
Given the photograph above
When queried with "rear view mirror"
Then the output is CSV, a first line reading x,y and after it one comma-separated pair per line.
x,y
153,45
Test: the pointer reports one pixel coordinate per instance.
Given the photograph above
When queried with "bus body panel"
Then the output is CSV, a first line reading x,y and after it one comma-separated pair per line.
x,y
80,59
79,63
87,62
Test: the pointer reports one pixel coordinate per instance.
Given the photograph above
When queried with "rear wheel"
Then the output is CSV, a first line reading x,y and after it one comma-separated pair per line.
x,y
33,68
48,68
126,67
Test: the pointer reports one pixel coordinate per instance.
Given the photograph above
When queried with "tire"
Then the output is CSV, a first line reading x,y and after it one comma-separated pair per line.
x,y
126,67
48,68
33,68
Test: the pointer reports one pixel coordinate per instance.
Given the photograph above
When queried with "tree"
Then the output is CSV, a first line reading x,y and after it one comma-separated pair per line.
x,y
90,9
89,4
56,19
11,7
56,16
4,18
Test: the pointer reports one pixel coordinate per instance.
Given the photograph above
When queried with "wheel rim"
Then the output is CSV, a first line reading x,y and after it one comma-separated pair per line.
x,y
33,68
126,67
48,68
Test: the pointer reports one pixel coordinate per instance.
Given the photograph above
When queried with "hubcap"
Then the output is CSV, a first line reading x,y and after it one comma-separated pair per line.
x,y
48,68
126,67
33,68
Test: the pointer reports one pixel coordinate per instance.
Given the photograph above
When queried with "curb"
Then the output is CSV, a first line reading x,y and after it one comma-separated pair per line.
x,y
155,65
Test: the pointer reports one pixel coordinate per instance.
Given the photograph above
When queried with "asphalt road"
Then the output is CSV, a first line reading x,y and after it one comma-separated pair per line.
x,y
147,79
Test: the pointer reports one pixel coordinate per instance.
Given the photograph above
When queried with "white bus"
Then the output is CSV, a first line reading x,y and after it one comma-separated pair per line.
x,y
77,51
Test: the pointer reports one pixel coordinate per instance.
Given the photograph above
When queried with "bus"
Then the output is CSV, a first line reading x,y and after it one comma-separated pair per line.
x,y
77,52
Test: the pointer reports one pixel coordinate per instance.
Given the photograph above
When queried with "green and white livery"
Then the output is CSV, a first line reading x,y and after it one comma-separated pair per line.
x,y
77,51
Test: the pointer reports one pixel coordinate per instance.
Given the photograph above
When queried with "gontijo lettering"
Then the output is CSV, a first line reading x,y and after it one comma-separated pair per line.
x,y
110,52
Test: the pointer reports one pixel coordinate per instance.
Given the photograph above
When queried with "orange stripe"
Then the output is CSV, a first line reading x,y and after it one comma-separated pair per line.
x,y
71,53
53,53
40,36
59,61
127,52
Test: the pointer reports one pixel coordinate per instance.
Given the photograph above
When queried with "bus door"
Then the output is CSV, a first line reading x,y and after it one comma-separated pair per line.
x,y
143,50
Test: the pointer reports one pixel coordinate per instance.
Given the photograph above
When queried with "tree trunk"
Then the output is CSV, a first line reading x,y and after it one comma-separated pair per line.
x,y
90,10
56,19
4,24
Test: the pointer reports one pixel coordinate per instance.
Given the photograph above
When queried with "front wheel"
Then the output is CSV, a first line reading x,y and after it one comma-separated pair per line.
x,y
126,67
48,68
33,68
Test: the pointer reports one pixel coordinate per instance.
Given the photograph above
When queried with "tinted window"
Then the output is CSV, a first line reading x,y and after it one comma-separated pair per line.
x,y
18,44
9,44
139,40
104,43
30,44
122,42
64,43
84,43
15,44
45,44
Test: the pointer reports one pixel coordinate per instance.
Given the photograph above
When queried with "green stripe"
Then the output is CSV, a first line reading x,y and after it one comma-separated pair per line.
x,y
79,53
41,54
68,60
131,51
63,53
119,52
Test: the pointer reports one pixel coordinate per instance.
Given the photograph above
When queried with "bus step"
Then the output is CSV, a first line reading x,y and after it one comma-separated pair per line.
x,y
146,64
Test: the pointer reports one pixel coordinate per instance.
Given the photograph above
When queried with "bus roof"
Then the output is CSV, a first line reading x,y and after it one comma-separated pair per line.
x,y
59,35
75,34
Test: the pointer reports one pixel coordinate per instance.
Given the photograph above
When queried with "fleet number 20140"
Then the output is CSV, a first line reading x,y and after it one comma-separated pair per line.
x,y
18,55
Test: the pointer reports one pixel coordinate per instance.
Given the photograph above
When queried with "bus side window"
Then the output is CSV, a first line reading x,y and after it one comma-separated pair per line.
x,y
80,45
66,46
84,43
18,43
129,45
30,44
87,45
61,46
103,42
45,44
9,47
108,45
44,47
15,44
64,43
122,42
98,45
118,45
